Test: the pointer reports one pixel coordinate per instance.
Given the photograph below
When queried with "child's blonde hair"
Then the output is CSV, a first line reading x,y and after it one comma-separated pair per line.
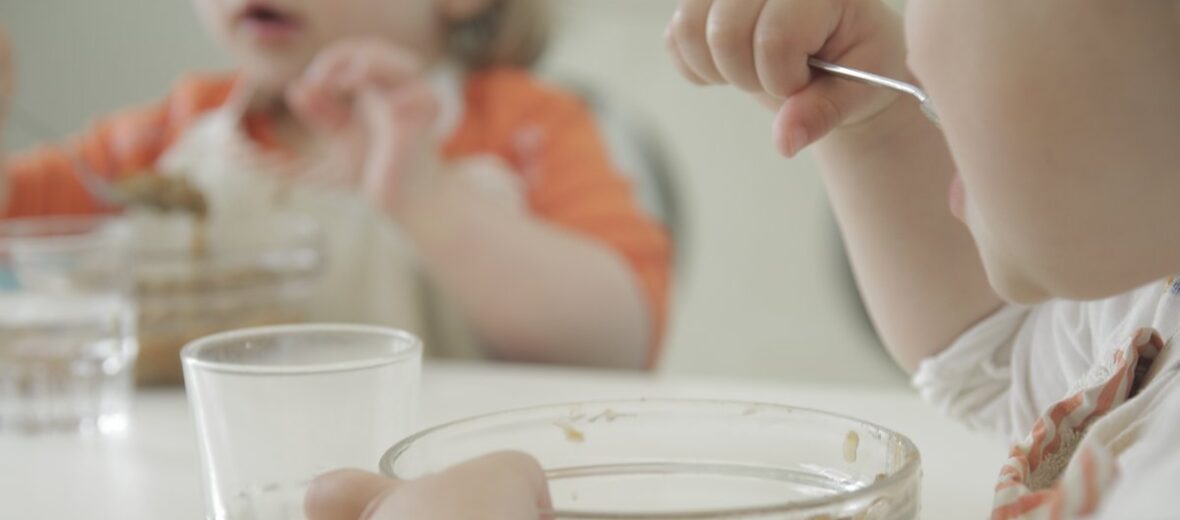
x,y
509,32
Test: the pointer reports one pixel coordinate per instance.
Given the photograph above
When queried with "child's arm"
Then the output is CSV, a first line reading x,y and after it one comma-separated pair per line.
x,y
582,280
44,181
887,168
917,266
578,276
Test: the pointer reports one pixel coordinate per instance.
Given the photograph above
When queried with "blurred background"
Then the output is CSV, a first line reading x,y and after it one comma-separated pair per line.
x,y
763,289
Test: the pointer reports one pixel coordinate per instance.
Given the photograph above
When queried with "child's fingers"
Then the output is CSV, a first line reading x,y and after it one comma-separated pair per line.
x,y
512,467
402,117
379,66
329,87
400,125
502,485
321,107
673,46
347,66
690,27
326,67
345,494
315,97
730,35
788,33
814,112
416,105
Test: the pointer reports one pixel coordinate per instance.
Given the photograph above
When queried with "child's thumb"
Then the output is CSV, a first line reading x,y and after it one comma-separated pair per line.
x,y
815,111
345,494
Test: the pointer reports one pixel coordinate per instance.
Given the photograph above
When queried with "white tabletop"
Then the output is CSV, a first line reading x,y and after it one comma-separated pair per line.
x,y
151,471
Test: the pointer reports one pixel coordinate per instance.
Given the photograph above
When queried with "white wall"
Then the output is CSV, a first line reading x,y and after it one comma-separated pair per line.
x,y
765,292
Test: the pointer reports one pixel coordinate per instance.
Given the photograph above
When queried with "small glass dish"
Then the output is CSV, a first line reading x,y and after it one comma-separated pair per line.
x,y
665,459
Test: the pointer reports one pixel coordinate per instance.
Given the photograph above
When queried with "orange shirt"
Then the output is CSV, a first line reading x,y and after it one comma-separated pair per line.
x,y
547,136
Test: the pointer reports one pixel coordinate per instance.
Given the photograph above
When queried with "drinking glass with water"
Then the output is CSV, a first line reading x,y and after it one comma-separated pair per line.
x,y
67,325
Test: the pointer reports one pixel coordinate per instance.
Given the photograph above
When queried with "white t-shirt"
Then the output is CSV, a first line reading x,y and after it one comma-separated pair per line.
x,y
1008,370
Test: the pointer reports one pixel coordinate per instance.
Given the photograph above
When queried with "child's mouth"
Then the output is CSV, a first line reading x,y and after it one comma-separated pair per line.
x,y
268,24
958,199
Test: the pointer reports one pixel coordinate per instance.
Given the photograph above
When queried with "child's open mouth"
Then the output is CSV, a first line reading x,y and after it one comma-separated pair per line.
x,y
268,23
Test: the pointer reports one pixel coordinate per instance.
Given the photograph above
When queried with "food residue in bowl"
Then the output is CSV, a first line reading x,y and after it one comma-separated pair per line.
x,y
162,192
608,415
851,446
169,194
572,434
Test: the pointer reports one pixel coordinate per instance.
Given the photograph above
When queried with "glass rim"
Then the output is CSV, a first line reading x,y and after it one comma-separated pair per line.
x,y
910,469
411,348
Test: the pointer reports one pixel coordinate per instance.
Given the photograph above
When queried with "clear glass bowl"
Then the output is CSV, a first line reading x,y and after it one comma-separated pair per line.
x,y
250,274
665,459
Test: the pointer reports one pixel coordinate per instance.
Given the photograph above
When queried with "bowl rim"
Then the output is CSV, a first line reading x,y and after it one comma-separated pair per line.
x,y
909,470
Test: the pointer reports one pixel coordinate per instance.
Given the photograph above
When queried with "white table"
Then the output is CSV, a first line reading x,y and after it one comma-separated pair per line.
x,y
152,472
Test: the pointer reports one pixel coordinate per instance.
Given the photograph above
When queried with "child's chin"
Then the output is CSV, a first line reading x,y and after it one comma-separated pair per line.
x,y
1014,287
270,73
1022,289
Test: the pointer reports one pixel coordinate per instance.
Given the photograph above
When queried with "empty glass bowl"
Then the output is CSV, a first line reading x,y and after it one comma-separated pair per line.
x,y
664,459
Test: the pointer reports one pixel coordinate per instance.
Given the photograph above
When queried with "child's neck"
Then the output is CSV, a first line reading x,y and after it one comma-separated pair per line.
x,y
286,131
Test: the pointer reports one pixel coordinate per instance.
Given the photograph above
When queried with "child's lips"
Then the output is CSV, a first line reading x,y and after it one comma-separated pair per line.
x,y
268,24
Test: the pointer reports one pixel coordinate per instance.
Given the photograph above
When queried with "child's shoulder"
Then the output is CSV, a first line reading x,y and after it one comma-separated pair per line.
x,y
191,96
195,93
510,90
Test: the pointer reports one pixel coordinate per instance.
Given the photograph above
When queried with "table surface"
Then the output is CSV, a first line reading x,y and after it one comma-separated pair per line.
x,y
151,471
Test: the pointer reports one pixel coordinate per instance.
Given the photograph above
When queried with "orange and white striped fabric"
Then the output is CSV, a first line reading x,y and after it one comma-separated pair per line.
x,y
1057,472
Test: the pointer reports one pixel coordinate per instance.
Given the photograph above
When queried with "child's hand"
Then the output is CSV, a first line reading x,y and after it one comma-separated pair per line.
x,y
762,46
504,486
371,99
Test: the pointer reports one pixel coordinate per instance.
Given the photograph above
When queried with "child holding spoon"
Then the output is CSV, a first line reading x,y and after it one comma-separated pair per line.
x,y
1041,305
1048,317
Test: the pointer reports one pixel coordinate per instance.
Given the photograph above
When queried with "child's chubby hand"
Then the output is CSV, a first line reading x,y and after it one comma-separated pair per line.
x,y
371,98
762,47
501,486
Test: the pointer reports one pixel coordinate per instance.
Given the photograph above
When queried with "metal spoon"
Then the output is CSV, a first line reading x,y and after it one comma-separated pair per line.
x,y
877,80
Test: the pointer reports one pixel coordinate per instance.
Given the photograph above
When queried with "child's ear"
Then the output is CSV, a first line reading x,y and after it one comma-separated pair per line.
x,y
460,10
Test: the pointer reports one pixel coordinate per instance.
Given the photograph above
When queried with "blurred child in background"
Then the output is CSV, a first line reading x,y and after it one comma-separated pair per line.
x,y
415,134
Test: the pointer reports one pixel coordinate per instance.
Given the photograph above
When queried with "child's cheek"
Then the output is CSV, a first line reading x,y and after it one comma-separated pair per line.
x,y
939,36
213,16
921,32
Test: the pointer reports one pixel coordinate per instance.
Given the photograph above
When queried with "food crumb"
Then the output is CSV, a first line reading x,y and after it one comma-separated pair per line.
x,y
571,434
609,415
851,446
